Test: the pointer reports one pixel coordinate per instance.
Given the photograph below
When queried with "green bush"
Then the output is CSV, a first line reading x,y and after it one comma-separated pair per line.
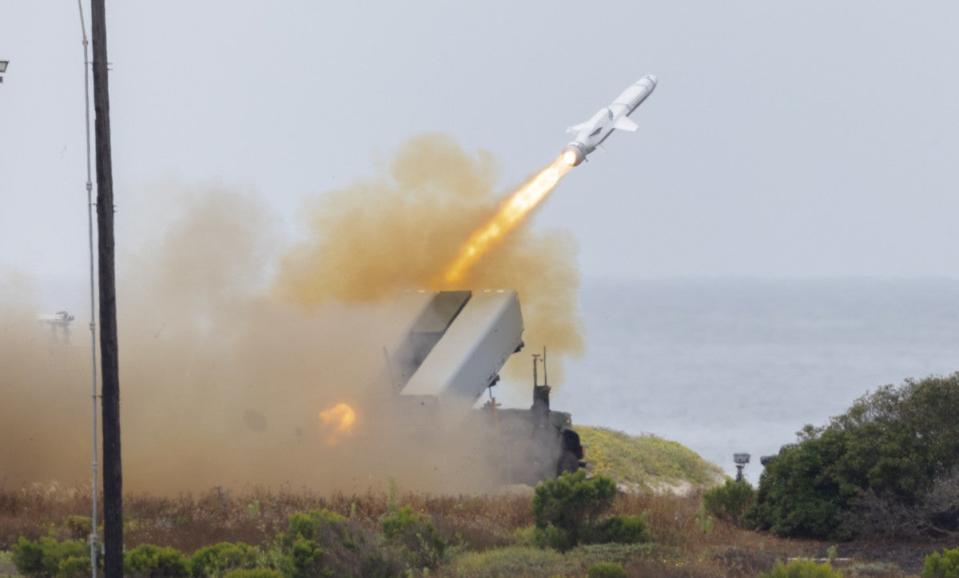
x,y
415,533
731,501
893,444
606,570
43,558
322,543
74,567
149,561
215,561
623,529
571,504
308,525
802,569
944,565
79,527
253,573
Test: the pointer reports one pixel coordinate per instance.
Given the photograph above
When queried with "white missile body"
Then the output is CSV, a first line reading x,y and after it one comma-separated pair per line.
x,y
594,131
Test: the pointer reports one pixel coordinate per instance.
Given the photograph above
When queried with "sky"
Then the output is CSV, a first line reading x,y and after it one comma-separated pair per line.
x,y
785,139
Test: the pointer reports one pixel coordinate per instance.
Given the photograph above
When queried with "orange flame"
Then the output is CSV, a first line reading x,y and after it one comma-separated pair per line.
x,y
337,421
513,211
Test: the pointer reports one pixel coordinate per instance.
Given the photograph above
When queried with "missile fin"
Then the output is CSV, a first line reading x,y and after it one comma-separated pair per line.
x,y
624,123
576,128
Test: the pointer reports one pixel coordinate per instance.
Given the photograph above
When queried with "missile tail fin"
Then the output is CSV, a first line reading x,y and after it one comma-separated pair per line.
x,y
624,123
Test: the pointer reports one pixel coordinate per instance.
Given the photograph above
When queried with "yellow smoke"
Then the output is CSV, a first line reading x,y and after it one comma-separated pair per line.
x,y
224,368
513,211
405,226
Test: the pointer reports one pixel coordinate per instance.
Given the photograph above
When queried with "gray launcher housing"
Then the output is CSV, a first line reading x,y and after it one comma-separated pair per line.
x,y
457,345
450,355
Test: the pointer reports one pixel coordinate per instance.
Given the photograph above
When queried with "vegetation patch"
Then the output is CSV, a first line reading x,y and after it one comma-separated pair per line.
x,y
49,558
730,501
217,560
606,570
149,561
531,562
645,461
941,565
888,467
802,569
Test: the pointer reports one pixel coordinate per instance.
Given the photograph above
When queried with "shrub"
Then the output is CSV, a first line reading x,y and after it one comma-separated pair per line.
x,y
944,565
79,527
730,501
43,558
417,536
253,573
149,561
321,543
526,536
510,561
797,496
74,567
214,561
606,570
308,525
892,446
622,529
570,504
802,569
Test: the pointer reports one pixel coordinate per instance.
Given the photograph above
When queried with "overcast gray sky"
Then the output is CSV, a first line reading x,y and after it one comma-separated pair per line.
x,y
784,139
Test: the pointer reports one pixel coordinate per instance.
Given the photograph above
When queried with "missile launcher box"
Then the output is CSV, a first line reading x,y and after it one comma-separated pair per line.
x,y
451,354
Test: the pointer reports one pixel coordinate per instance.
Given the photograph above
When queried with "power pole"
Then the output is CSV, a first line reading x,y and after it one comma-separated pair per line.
x,y
94,452
109,358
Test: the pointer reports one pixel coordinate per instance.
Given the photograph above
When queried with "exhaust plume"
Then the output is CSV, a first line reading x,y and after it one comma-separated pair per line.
x,y
512,213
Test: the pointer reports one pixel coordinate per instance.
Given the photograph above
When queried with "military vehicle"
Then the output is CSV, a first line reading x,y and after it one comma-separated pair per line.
x,y
451,354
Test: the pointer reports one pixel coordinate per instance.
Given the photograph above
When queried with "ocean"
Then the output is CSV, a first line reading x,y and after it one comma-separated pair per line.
x,y
727,366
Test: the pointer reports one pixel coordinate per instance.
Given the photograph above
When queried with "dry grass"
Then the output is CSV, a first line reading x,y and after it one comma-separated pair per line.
x,y
686,543
188,522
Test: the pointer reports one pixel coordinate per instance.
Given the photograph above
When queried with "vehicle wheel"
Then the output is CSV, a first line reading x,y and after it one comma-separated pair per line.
x,y
568,463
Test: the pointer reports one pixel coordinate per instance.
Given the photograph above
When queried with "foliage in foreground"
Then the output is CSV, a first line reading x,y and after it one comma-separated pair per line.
x,y
217,560
606,570
731,501
890,452
535,562
149,561
941,565
415,534
802,569
321,543
253,573
50,558
567,508
568,511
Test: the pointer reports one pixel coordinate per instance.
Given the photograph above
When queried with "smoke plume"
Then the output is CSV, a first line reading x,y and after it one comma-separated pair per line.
x,y
228,355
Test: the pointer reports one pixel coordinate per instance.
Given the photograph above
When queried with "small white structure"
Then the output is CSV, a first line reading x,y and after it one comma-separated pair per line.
x,y
59,324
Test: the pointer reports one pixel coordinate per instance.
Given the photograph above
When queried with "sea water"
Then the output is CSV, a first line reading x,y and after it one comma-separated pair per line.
x,y
741,365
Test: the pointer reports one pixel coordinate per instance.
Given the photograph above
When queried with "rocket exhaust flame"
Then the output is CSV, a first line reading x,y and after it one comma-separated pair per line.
x,y
511,213
337,421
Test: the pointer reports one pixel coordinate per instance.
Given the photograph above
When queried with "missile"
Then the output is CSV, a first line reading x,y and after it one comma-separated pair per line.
x,y
593,132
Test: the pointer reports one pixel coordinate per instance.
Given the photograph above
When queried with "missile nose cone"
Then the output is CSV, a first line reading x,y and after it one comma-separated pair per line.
x,y
652,77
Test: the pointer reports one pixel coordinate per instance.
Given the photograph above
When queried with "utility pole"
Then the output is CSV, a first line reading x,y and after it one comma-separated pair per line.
x,y
94,451
109,359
